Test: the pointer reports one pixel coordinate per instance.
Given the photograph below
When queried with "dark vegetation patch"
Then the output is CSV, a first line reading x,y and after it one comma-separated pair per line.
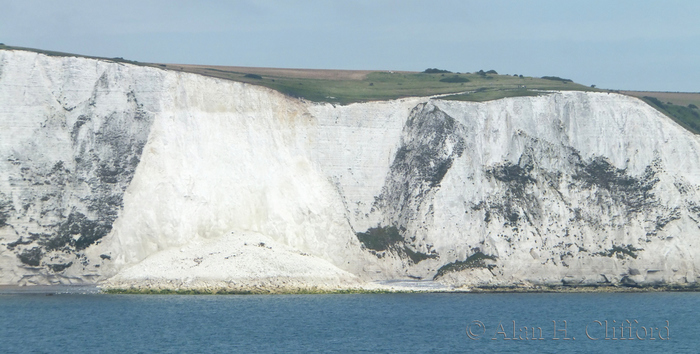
x,y
520,201
31,257
517,202
476,260
59,267
77,224
620,252
556,78
11,246
380,238
436,71
389,238
512,173
417,257
602,173
663,220
633,192
484,74
253,76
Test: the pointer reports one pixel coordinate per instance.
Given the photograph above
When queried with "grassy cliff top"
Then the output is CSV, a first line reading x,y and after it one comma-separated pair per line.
x,y
350,86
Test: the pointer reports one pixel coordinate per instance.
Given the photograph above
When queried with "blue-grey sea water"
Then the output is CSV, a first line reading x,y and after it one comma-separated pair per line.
x,y
372,323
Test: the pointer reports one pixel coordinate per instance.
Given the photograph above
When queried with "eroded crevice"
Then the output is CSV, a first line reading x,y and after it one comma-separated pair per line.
x,y
431,140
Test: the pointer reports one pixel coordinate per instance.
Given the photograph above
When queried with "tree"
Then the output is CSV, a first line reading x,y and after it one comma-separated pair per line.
x,y
436,71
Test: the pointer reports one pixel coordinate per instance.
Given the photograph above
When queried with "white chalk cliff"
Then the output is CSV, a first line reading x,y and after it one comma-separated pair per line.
x,y
134,176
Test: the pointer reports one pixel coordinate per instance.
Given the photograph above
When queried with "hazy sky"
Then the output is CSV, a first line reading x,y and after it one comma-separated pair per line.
x,y
619,44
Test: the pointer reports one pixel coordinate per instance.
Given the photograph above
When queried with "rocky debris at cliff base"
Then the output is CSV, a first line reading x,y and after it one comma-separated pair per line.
x,y
236,262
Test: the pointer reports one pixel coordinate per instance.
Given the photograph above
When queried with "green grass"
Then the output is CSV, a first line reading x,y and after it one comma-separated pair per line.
x,y
380,86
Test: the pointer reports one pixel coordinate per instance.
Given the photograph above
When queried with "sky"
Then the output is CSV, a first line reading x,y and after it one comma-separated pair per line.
x,y
614,44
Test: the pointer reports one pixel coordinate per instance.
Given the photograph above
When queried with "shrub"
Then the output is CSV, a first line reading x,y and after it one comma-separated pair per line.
x,y
620,252
492,72
476,260
436,71
654,100
692,106
379,238
253,76
556,78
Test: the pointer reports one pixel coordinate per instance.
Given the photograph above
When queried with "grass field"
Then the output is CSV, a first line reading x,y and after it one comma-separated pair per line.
x,y
344,86
350,86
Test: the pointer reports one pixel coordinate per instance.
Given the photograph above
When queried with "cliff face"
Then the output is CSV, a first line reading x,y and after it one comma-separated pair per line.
x,y
143,177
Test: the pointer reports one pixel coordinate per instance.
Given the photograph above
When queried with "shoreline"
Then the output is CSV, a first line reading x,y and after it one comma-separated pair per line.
x,y
385,287
394,286
381,290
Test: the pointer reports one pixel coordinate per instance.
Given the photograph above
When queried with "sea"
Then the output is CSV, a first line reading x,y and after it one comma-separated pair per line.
x,y
49,321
